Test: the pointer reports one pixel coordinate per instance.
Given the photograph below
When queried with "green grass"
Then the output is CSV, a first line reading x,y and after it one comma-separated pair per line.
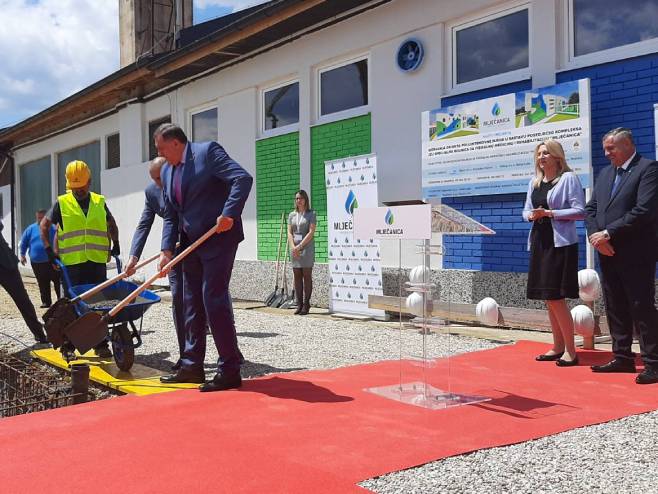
x,y
558,117
461,133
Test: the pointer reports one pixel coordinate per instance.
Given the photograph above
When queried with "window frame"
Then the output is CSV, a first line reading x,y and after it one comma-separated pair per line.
x,y
569,59
286,129
343,114
106,163
149,136
487,15
55,156
195,111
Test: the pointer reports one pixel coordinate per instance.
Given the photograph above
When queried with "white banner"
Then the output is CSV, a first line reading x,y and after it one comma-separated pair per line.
x,y
354,265
402,222
486,147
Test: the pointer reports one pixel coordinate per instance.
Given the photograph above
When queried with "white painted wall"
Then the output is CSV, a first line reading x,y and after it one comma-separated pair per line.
x,y
5,191
396,102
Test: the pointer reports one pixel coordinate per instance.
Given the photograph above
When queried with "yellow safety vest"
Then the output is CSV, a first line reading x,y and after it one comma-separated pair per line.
x,y
83,238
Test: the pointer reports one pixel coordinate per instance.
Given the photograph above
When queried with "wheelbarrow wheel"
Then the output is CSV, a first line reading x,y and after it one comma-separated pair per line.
x,y
122,347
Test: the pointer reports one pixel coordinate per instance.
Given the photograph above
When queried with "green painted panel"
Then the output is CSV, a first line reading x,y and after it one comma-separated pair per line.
x,y
277,180
350,137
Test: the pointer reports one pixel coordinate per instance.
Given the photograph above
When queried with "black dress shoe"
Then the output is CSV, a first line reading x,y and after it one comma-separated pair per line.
x,y
615,365
176,366
648,376
547,358
567,363
184,376
222,382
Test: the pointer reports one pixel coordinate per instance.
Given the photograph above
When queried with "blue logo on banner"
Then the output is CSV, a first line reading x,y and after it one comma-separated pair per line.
x,y
351,203
388,218
495,111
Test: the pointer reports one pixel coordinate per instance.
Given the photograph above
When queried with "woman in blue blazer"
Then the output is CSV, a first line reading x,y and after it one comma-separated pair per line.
x,y
554,202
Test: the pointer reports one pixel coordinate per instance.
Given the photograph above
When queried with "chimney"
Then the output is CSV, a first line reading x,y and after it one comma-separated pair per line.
x,y
150,26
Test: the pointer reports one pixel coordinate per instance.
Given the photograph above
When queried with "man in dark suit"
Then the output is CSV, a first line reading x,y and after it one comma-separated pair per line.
x,y
10,279
203,187
622,221
154,205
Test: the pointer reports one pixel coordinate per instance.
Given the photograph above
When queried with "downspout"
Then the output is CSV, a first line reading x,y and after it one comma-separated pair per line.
x,y
12,200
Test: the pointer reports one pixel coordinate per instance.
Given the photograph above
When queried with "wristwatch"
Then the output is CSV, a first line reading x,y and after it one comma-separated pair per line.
x,y
606,235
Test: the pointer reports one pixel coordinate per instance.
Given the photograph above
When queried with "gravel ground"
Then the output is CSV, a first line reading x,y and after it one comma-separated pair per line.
x,y
618,456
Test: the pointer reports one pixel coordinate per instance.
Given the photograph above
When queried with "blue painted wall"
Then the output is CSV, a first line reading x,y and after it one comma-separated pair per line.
x,y
622,93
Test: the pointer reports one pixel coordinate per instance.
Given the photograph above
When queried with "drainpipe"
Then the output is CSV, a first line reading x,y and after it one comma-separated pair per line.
x,y
12,200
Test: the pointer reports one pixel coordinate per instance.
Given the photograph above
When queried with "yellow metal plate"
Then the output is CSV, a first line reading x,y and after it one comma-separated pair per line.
x,y
140,380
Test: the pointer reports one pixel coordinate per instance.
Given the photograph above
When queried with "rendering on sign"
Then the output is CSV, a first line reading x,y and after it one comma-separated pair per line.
x,y
486,147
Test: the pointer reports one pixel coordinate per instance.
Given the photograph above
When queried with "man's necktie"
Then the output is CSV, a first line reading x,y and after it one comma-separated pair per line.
x,y
619,172
178,178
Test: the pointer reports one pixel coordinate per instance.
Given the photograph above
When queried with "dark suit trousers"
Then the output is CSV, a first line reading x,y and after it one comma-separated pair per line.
x,y
207,299
177,305
45,273
10,279
629,292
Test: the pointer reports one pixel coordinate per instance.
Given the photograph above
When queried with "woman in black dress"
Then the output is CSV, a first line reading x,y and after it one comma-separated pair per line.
x,y
554,202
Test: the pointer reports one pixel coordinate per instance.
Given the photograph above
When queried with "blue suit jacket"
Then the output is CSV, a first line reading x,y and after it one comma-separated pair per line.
x,y
631,215
154,205
212,185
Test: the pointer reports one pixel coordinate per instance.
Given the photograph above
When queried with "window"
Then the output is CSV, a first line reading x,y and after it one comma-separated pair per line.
x,y
90,154
281,106
489,47
112,152
35,189
153,125
204,125
604,24
343,88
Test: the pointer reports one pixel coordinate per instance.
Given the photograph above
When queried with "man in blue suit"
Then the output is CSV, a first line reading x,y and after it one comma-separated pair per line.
x,y
622,221
154,205
203,187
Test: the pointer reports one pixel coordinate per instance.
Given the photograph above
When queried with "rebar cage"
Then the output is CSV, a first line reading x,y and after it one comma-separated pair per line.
x,y
27,388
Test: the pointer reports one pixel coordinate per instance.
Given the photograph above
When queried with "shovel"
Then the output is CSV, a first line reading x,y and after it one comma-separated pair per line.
x,y
63,312
91,328
281,297
271,296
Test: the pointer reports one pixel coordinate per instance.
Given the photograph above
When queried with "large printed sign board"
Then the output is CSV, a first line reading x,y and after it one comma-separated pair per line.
x,y
354,264
487,146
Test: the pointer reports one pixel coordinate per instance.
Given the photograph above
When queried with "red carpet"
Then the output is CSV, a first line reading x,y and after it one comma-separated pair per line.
x,y
314,431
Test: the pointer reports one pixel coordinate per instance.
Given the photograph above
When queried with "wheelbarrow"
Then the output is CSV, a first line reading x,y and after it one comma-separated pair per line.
x,y
124,334
91,327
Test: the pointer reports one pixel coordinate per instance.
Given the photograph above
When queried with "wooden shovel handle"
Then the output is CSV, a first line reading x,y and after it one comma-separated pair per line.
x,y
112,281
157,275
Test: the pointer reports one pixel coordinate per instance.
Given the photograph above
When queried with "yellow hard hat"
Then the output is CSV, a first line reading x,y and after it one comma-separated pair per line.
x,y
77,174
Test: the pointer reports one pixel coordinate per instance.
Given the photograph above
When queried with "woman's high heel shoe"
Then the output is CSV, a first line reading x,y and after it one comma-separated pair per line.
x,y
567,363
548,358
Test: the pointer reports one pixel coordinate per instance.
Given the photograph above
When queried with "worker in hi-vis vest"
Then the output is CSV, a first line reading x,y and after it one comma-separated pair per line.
x,y
84,229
